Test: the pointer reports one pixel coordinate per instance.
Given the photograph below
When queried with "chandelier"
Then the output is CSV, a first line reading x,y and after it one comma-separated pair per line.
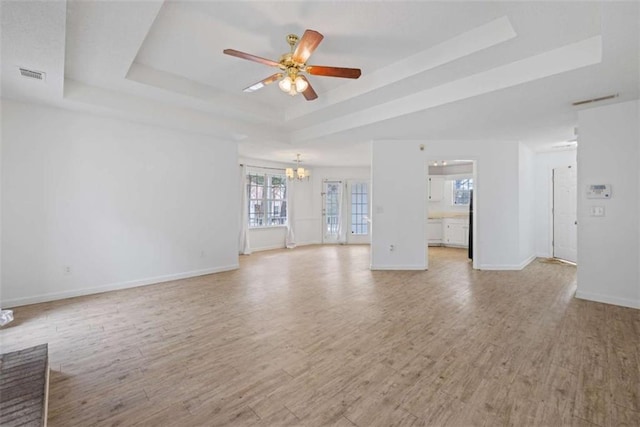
x,y
298,172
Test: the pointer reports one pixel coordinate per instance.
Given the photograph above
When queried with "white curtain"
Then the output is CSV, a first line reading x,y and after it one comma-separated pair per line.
x,y
342,213
290,239
243,241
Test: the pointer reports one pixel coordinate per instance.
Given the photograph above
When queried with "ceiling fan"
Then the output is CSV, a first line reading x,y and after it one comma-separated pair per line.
x,y
294,64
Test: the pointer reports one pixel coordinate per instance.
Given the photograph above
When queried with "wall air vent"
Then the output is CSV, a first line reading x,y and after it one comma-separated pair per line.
x,y
589,101
32,74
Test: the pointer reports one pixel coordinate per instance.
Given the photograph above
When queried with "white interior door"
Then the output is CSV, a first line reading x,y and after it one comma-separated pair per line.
x,y
331,211
358,200
564,213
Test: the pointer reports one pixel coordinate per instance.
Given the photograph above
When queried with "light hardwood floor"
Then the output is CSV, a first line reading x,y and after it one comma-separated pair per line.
x,y
312,337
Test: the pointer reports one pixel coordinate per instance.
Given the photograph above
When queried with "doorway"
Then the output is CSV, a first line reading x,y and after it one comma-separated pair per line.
x,y
452,206
565,222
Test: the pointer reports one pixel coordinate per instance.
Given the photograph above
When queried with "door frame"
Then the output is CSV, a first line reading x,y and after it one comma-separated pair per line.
x,y
551,230
476,203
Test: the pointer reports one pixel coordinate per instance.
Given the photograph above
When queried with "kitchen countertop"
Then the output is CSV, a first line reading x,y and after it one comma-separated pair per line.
x,y
441,215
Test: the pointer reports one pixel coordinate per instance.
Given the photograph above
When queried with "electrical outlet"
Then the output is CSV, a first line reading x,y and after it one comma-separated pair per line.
x,y
67,270
202,254
392,248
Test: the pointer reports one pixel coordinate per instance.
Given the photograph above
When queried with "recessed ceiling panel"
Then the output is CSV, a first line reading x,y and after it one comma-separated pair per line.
x,y
187,38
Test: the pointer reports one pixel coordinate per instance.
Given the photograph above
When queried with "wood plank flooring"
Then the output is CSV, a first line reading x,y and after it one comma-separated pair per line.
x,y
312,337
24,378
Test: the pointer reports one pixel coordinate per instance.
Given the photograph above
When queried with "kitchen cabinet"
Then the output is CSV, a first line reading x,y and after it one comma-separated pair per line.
x,y
456,232
435,188
434,232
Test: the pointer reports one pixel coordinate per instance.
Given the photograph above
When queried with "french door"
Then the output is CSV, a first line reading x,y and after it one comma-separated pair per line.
x,y
359,225
332,215
345,212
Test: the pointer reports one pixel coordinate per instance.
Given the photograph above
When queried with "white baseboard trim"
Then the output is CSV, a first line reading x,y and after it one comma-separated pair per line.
x,y
624,302
299,244
399,267
268,248
527,261
313,242
506,267
16,302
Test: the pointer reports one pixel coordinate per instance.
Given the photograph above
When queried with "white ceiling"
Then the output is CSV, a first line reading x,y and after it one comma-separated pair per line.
x,y
430,70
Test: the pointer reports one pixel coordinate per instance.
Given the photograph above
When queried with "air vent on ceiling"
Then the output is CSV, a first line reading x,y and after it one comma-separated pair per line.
x,y
602,98
32,74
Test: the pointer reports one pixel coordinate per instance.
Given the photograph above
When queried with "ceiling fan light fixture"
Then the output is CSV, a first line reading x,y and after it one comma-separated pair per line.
x,y
301,84
285,84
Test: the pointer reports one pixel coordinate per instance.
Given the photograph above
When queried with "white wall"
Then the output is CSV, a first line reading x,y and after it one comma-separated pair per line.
x,y
544,165
399,199
526,195
121,204
264,239
609,246
399,165
1,127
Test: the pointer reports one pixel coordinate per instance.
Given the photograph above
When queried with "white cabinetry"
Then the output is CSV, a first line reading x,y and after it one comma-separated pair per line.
x,y
436,188
434,232
456,232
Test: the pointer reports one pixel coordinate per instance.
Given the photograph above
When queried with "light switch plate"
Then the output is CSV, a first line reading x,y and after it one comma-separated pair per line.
x,y
597,210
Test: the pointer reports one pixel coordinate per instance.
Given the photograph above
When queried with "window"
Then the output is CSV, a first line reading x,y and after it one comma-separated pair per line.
x,y
359,208
462,191
267,200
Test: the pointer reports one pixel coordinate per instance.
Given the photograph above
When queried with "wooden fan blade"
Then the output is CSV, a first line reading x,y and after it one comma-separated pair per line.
x,y
347,73
262,83
307,44
309,93
250,57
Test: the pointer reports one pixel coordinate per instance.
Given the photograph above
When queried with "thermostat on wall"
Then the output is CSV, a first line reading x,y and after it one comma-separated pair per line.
x,y
599,191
